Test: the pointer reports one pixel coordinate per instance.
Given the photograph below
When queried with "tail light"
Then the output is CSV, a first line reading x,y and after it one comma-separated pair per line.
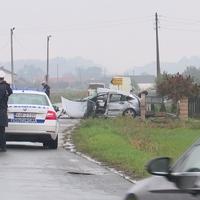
x,y
51,115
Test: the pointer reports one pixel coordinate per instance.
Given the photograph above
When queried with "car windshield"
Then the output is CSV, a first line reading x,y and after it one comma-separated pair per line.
x,y
31,99
190,161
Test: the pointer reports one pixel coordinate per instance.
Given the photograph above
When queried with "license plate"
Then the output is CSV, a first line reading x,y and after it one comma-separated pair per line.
x,y
24,115
24,118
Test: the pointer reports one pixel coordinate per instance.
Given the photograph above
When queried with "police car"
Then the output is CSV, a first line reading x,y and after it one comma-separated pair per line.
x,y
31,117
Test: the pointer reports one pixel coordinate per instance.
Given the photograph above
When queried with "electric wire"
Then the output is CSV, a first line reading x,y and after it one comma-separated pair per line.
x,y
179,24
90,26
4,46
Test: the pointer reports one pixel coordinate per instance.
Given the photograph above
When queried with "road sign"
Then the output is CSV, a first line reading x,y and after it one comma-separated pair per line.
x,y
117,81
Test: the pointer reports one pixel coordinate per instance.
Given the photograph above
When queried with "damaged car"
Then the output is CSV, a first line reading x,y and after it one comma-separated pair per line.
x,y
106,103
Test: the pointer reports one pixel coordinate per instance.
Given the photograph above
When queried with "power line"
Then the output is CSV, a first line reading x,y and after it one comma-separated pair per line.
x,y
183,23
181,19
20,44
180,24
181,29
93,25
5,45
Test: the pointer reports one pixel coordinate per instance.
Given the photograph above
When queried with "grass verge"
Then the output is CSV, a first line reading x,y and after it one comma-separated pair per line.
x,y
128,144
69,94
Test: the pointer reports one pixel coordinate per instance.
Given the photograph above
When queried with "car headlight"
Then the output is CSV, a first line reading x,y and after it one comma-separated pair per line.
x,y
131,197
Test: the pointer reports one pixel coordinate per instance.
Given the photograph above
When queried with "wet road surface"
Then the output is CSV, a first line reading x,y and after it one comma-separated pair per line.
x,y
30,172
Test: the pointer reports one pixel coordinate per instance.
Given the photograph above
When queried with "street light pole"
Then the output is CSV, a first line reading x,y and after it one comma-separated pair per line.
x,y
12,65
57,73
157,48
47,76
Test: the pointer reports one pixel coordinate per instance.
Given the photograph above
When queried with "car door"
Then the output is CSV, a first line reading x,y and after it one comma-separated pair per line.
x,y
116,104
101,103
186,188
162,188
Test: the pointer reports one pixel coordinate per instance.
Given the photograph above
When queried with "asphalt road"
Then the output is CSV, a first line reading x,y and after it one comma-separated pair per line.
x,y
29,172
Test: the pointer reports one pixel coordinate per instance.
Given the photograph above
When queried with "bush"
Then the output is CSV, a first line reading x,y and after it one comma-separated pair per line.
x,y
177,86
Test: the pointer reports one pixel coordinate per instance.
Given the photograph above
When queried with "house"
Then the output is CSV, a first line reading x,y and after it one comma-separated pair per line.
x,y
8,74
144,82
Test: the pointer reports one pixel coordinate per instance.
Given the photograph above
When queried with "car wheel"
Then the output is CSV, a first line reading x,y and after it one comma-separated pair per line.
x,y
129,113
53,144
131,197
45,145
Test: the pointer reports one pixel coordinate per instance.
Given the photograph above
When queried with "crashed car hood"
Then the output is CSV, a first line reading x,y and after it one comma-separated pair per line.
x,y
75,109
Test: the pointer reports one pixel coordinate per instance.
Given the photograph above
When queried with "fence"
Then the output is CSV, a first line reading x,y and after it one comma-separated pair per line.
x,y
151,101
194,107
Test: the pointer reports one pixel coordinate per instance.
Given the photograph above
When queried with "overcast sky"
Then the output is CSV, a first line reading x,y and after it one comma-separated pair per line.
x,y
117,34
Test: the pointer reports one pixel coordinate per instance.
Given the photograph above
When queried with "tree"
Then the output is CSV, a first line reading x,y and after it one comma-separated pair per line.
x,y
91,73
177,86
193,72
94,72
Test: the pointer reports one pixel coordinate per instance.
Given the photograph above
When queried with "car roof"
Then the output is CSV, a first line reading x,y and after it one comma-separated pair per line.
x,y
29,92
106,90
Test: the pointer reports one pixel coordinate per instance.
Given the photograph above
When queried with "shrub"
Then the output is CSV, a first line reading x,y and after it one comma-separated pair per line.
x,y
177,86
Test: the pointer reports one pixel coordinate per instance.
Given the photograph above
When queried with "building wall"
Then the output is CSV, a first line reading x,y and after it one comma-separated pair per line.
x,y
145,86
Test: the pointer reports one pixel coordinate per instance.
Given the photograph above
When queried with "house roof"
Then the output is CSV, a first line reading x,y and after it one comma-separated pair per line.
x,y
6,71
144,78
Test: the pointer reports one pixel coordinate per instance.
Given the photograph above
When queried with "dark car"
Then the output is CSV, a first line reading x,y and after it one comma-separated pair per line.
x,y
179,181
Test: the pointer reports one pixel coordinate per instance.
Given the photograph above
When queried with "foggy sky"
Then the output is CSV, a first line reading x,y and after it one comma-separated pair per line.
x,y
117,34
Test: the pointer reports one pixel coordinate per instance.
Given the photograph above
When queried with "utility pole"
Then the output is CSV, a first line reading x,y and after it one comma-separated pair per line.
x,y
57,73
157,47
47,75
12,64
104,73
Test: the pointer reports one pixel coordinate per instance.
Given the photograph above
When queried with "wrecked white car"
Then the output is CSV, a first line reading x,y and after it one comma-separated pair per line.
x,y
107,103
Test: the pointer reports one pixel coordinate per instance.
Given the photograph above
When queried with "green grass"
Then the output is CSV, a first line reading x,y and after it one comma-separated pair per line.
x,y
69,94
128,144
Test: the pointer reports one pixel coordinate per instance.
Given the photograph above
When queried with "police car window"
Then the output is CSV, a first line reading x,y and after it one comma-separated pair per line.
x,y
30,99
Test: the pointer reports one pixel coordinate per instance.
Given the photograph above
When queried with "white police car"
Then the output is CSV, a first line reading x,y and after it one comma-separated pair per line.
x,y
31,117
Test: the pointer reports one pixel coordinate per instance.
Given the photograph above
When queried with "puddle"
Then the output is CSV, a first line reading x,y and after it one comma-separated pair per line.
x,y
69,146
79,173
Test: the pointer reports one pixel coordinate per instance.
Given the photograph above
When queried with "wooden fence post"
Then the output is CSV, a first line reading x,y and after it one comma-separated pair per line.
x,y
143,106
